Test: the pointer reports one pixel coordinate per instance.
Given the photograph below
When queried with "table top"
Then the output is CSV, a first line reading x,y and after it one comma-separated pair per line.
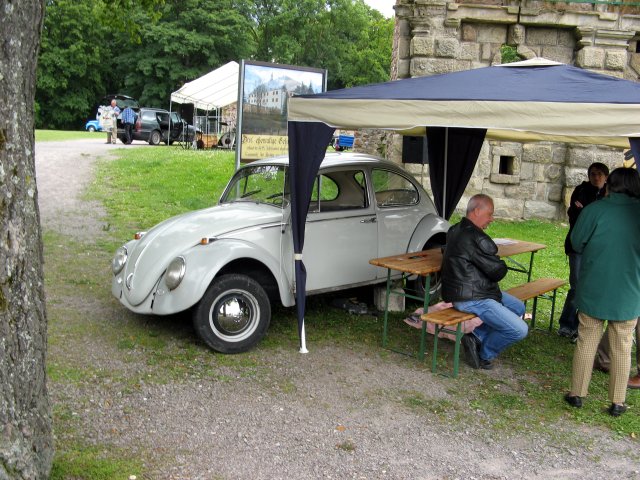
x,y
429,261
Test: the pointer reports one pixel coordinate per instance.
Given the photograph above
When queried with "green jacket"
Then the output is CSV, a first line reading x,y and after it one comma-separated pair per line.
x,y
607,234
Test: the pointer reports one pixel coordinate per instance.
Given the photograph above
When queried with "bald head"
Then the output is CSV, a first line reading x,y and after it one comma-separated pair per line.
x,y
480,210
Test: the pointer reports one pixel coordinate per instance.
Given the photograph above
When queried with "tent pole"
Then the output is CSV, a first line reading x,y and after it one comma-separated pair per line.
x,y
303,341
446,161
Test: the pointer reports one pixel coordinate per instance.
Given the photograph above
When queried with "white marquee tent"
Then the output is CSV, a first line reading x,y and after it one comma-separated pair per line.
x,y
214,90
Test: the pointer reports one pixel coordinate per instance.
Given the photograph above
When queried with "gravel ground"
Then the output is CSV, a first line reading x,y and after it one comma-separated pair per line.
x,y
333,413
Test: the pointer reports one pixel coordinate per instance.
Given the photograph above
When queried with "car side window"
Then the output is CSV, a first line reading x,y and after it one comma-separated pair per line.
x,y
392,189
163,118
339,190
148,116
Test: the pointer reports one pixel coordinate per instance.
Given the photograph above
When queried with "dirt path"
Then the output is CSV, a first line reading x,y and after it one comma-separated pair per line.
x,y
333,413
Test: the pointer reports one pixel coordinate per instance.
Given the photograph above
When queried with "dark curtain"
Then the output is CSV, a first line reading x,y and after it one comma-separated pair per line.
x,y
308,142
464,146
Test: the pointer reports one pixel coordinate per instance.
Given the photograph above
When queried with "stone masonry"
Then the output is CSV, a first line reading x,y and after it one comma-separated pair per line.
x,y
437,36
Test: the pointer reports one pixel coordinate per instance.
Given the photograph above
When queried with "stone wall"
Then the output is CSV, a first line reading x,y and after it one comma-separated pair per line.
x,y
437,36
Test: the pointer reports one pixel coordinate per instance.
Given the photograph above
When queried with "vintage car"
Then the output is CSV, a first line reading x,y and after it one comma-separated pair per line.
x,y
227,263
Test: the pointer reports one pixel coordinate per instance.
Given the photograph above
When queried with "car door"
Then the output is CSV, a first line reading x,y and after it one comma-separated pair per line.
x,y
176,126
341,231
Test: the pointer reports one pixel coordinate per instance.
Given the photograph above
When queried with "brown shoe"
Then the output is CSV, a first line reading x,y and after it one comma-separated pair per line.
x,y
634,382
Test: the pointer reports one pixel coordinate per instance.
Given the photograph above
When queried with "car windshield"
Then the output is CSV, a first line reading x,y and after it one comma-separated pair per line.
x,y
259,184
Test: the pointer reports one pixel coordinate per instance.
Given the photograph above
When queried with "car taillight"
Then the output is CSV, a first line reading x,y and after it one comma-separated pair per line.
x,y
138,125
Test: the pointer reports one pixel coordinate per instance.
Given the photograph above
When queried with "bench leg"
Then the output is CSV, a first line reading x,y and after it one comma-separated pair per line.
x,y
386,309
533,314
456,350
553,307
423,340
434,362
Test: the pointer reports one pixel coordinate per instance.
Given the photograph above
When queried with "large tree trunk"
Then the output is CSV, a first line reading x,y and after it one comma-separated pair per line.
x,y
26,442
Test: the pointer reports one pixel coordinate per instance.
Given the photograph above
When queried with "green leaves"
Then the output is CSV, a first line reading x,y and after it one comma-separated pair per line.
x,y
150,48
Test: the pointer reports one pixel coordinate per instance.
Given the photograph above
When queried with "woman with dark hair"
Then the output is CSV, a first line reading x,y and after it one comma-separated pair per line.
x,y
606,235
587,192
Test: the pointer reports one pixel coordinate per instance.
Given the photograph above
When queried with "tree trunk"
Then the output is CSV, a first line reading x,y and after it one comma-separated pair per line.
x,y
26,441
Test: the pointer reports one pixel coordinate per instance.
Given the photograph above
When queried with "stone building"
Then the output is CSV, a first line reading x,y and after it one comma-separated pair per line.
x,y
532,180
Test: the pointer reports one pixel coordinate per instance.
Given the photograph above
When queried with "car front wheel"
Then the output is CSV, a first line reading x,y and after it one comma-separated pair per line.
x,y
233,315
154,138
91,128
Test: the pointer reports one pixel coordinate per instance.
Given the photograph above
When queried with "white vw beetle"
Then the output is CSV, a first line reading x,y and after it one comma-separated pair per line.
x,y
228,262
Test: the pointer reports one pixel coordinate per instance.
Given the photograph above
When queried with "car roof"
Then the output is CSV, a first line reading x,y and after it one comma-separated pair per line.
x,y
332,159
154,109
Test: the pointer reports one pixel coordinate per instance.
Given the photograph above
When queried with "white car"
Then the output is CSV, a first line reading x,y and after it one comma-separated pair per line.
x,y
228,262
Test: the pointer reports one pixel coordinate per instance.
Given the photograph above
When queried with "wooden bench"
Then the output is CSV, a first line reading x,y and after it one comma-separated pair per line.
x,y
445,320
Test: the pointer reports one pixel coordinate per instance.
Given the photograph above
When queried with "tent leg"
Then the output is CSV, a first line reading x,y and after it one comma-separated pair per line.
x,y
303,341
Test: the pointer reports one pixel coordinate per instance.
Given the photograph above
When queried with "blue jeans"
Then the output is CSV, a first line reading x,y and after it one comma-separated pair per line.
x,y
502,323
569,315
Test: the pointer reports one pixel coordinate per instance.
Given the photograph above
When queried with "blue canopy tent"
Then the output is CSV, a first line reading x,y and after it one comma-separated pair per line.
x,y
534,100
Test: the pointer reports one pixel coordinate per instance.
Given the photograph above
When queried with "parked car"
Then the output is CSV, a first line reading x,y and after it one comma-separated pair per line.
x,y
230,262
93,126
153,125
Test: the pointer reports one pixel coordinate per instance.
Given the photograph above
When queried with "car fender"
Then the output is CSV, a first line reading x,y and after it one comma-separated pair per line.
x,y
430,226
203,264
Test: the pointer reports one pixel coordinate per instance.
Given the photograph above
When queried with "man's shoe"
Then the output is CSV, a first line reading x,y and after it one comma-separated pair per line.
x,y
567,332
486,364
471,346
634,382
573,400
617,409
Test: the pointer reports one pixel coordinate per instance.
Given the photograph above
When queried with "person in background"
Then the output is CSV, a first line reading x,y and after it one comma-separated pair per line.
x,y
110,116
587,192
471,270
608,290
128,118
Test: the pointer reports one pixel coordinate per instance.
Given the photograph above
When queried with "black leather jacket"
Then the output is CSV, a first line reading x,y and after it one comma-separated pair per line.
x,y
585,193
471,268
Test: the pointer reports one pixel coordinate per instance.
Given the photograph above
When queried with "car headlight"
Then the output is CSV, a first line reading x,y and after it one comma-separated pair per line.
x,y
175,272
119,260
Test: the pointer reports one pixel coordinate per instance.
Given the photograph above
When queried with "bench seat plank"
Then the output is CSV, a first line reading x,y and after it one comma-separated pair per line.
x,y
535,288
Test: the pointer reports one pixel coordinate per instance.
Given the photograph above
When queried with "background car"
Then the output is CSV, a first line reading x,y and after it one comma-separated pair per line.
x,y
229,263
154,125
93,126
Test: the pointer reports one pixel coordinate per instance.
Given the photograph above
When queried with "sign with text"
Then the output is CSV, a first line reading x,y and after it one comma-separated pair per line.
x,y
262,117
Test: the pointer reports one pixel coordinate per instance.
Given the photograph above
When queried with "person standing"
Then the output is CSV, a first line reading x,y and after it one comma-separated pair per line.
x,y
111,121
128,118
587,192
471,270
606,235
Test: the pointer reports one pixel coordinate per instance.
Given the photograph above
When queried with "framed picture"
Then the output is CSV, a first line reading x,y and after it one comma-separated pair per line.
x,y
264,90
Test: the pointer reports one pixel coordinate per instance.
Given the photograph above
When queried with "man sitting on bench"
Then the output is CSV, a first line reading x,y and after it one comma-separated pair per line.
x,y
471,270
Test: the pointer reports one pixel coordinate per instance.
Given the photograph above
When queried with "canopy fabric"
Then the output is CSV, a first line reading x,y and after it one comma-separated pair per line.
x,y
216,89
531,101
526,101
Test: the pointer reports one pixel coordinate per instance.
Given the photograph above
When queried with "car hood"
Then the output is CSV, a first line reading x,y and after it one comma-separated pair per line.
x,y
149,257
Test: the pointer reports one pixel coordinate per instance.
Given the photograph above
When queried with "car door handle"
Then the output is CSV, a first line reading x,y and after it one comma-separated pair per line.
x,y
369,220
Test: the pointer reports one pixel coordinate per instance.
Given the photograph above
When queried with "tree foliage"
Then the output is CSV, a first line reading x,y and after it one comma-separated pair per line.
x,y
150,48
